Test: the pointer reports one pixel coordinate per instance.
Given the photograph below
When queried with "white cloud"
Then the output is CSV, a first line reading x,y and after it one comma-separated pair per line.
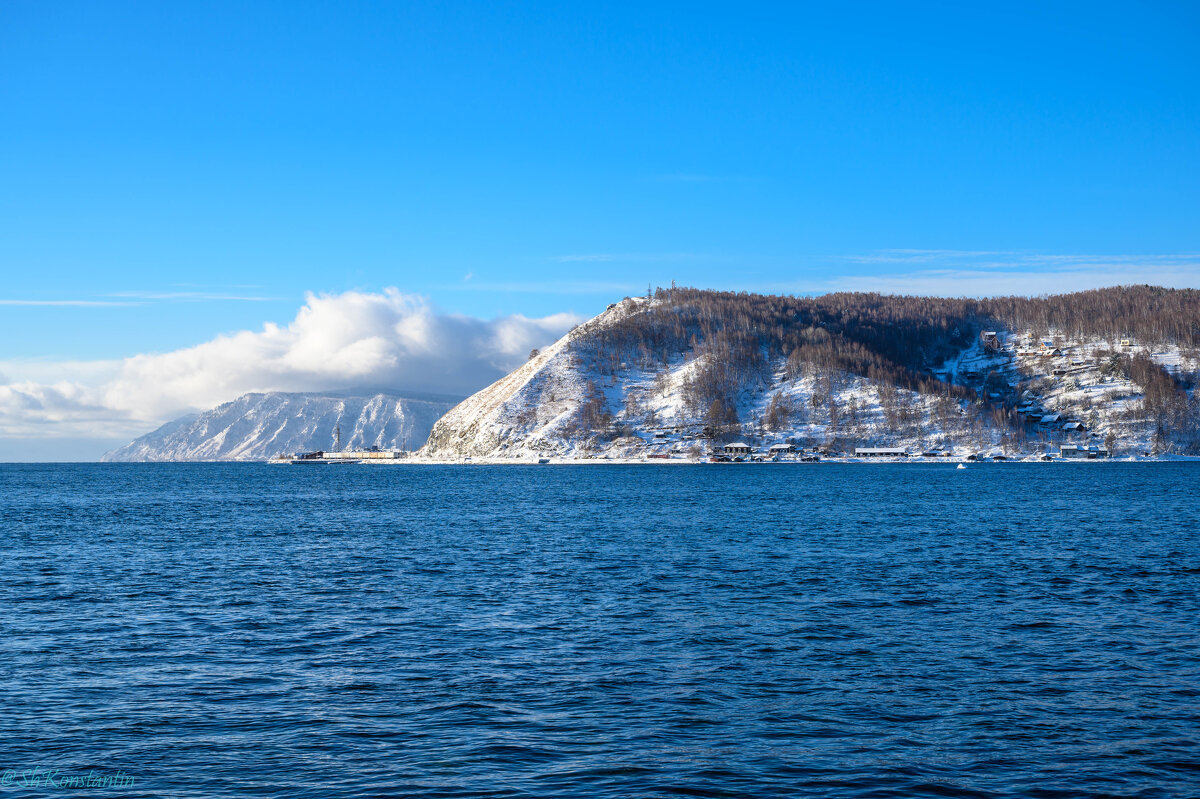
x,y
378,340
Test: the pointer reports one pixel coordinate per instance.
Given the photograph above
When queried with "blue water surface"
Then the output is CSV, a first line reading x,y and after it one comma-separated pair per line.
x,y
603,631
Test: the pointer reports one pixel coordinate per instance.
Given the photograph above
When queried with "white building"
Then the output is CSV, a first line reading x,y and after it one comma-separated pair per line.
x,y
879,452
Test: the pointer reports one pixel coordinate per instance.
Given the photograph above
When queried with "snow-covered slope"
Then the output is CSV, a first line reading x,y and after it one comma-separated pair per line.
x,y
258,426
1084,383
576,400
533,409
556,404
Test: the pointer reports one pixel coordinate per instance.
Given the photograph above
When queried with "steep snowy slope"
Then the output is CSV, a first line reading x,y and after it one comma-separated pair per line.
x,y
534,408
559,404
258,426
662,377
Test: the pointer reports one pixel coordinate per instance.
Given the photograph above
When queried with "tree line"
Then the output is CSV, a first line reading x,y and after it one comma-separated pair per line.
x,y
895,341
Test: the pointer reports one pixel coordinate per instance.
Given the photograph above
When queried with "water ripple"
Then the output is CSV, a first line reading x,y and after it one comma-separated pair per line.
x,y
858,631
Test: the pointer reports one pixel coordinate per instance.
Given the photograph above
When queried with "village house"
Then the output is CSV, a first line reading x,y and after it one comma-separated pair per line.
x,y
781,449
879,452
738,448
1079,452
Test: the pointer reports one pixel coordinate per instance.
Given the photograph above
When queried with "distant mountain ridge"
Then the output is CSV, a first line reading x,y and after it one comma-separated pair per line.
x,y
259,425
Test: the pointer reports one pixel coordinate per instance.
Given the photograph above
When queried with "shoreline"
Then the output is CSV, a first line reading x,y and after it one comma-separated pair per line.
x,y
569,461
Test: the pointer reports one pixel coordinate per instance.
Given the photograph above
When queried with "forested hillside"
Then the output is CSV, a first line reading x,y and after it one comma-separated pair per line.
x,y
847,368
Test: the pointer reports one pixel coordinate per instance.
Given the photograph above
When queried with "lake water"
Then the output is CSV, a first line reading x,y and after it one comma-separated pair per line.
x,y
603,631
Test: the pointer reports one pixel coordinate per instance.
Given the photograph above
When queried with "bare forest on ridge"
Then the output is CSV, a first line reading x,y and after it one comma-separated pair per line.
x,y
739,341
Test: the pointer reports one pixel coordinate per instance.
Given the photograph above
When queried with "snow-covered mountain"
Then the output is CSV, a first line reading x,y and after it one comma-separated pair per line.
x,y
259,426
687,370
535,409
580,398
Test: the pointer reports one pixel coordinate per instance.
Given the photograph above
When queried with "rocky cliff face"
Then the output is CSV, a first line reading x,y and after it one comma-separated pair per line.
x,y
258,426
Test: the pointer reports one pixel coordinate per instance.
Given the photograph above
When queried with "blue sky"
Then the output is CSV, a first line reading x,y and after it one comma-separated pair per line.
x,y
173,171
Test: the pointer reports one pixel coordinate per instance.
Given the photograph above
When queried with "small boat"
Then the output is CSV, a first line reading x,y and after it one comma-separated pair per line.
x,y
962,466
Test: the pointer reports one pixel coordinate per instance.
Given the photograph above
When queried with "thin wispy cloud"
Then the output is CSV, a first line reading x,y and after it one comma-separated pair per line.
x,y
1085,259
1015,258
215,286
904,256
126,299
987,273
545,287
191,296
591,258
68,303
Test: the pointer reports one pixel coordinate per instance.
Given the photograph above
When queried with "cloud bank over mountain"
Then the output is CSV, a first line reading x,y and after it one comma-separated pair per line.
x,y
387,340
